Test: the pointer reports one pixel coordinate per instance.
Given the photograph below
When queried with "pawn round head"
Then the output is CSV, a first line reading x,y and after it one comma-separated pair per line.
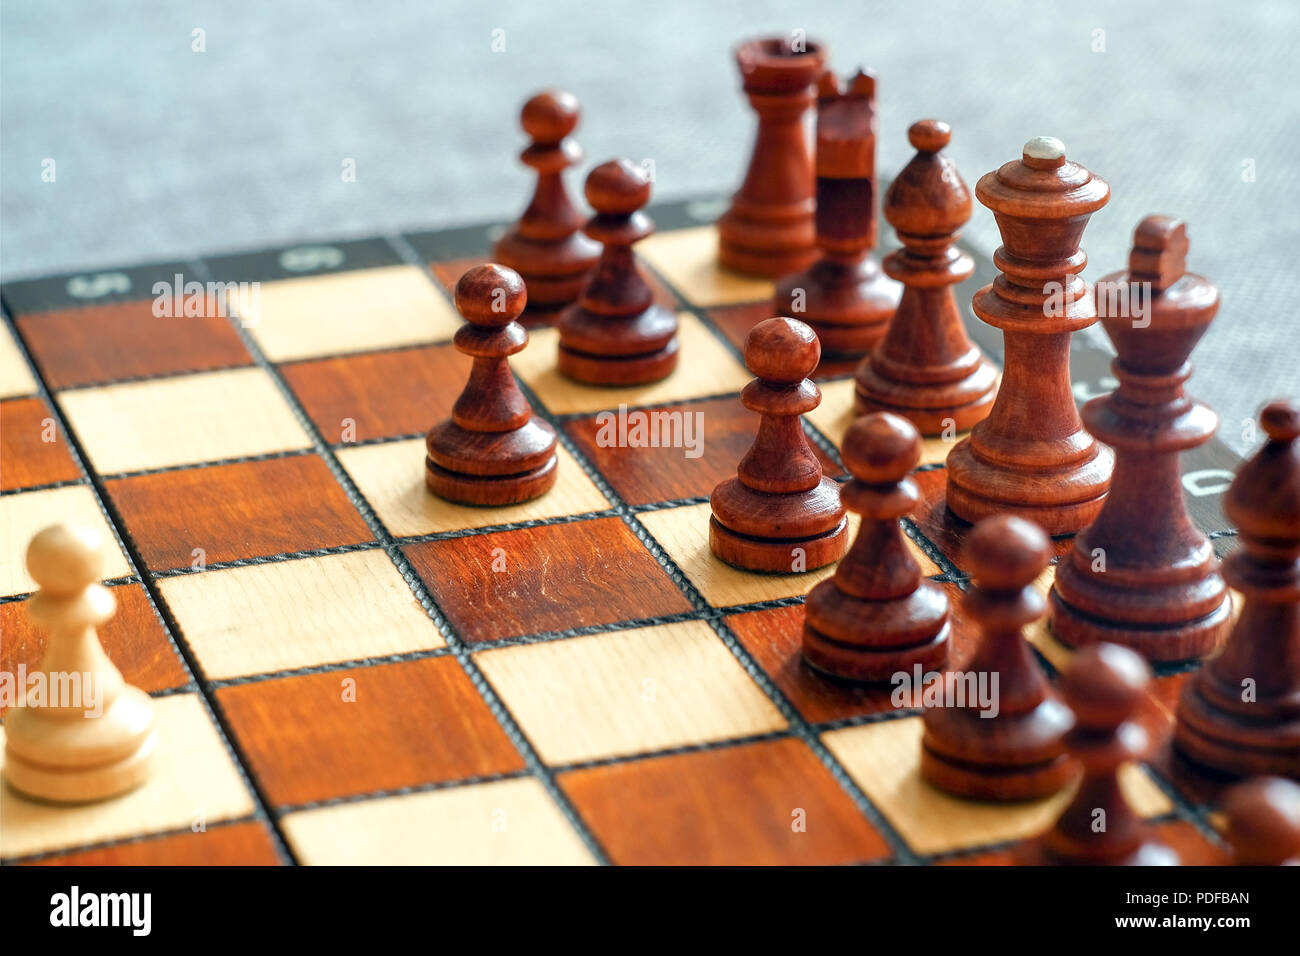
x,y
1281,421
881,448
1263,816
66,559
617,188
491,295
550,116
782,351
1103,684
929,135
1006,553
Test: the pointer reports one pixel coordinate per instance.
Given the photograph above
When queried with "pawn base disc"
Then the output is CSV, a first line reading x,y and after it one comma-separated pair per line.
x,y
489,489
618,369
778,555
1182,641
930,422
851,662
80,784
1002,784
1229,745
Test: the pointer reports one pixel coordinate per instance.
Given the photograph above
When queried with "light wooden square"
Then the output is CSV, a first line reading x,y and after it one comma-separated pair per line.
x,y
688,259
194,782
292,614
350,312
22,515
835,414
625,692
1039,633
706,368
884,759
505,823
391,476
684,534
183,420
15,377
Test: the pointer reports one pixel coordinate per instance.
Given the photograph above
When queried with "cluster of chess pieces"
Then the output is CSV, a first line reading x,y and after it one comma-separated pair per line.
x,y
1030,466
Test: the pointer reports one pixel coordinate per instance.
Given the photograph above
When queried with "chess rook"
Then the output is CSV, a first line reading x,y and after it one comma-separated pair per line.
x,y
1018,753
492,451
615,334
926,368
1263,815
546,246
780,514
1143,575
769,228
844,296
877,615
1103,685
1240,714
99,741
1031,456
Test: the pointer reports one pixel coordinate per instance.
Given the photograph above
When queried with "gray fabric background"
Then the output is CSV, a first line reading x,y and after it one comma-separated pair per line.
x,y
162,152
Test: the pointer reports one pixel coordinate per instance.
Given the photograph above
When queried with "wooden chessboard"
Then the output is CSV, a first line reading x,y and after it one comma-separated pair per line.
x,y
347,670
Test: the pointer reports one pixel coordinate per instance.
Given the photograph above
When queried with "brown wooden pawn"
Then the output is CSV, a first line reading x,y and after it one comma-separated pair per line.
x,y
1143,575
780,514
615,334
1104,685
926,368
877,615
492,451
1018,752
546,246
844,296
1031,456
1263,816
1240,713
769,229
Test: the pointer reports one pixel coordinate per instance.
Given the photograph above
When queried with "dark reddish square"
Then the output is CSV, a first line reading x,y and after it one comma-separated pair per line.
x,y
734,806
339,733
724,430
27,458
735,321
134,640
383,394
775,639
235,844
109,342
244,510
557,577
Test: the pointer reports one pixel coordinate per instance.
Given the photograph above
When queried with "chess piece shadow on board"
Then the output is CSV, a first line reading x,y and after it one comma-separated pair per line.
x,y
101,742
1142,574
493,450
616,334
844,295
926,368
1239,715
780,514
769,229
1031,456
1017,753
547,246
877,615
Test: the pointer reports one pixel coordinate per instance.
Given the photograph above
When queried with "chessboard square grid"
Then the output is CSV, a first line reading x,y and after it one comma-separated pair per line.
x,y
224,844
379,394
354,311
16,377
763,803
243,510
624,692
193,781
133,638
342,733
163,423
109,343
705,368
27,458
688,259
884,759
299,613
27,512
545,578
391,477
502,823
